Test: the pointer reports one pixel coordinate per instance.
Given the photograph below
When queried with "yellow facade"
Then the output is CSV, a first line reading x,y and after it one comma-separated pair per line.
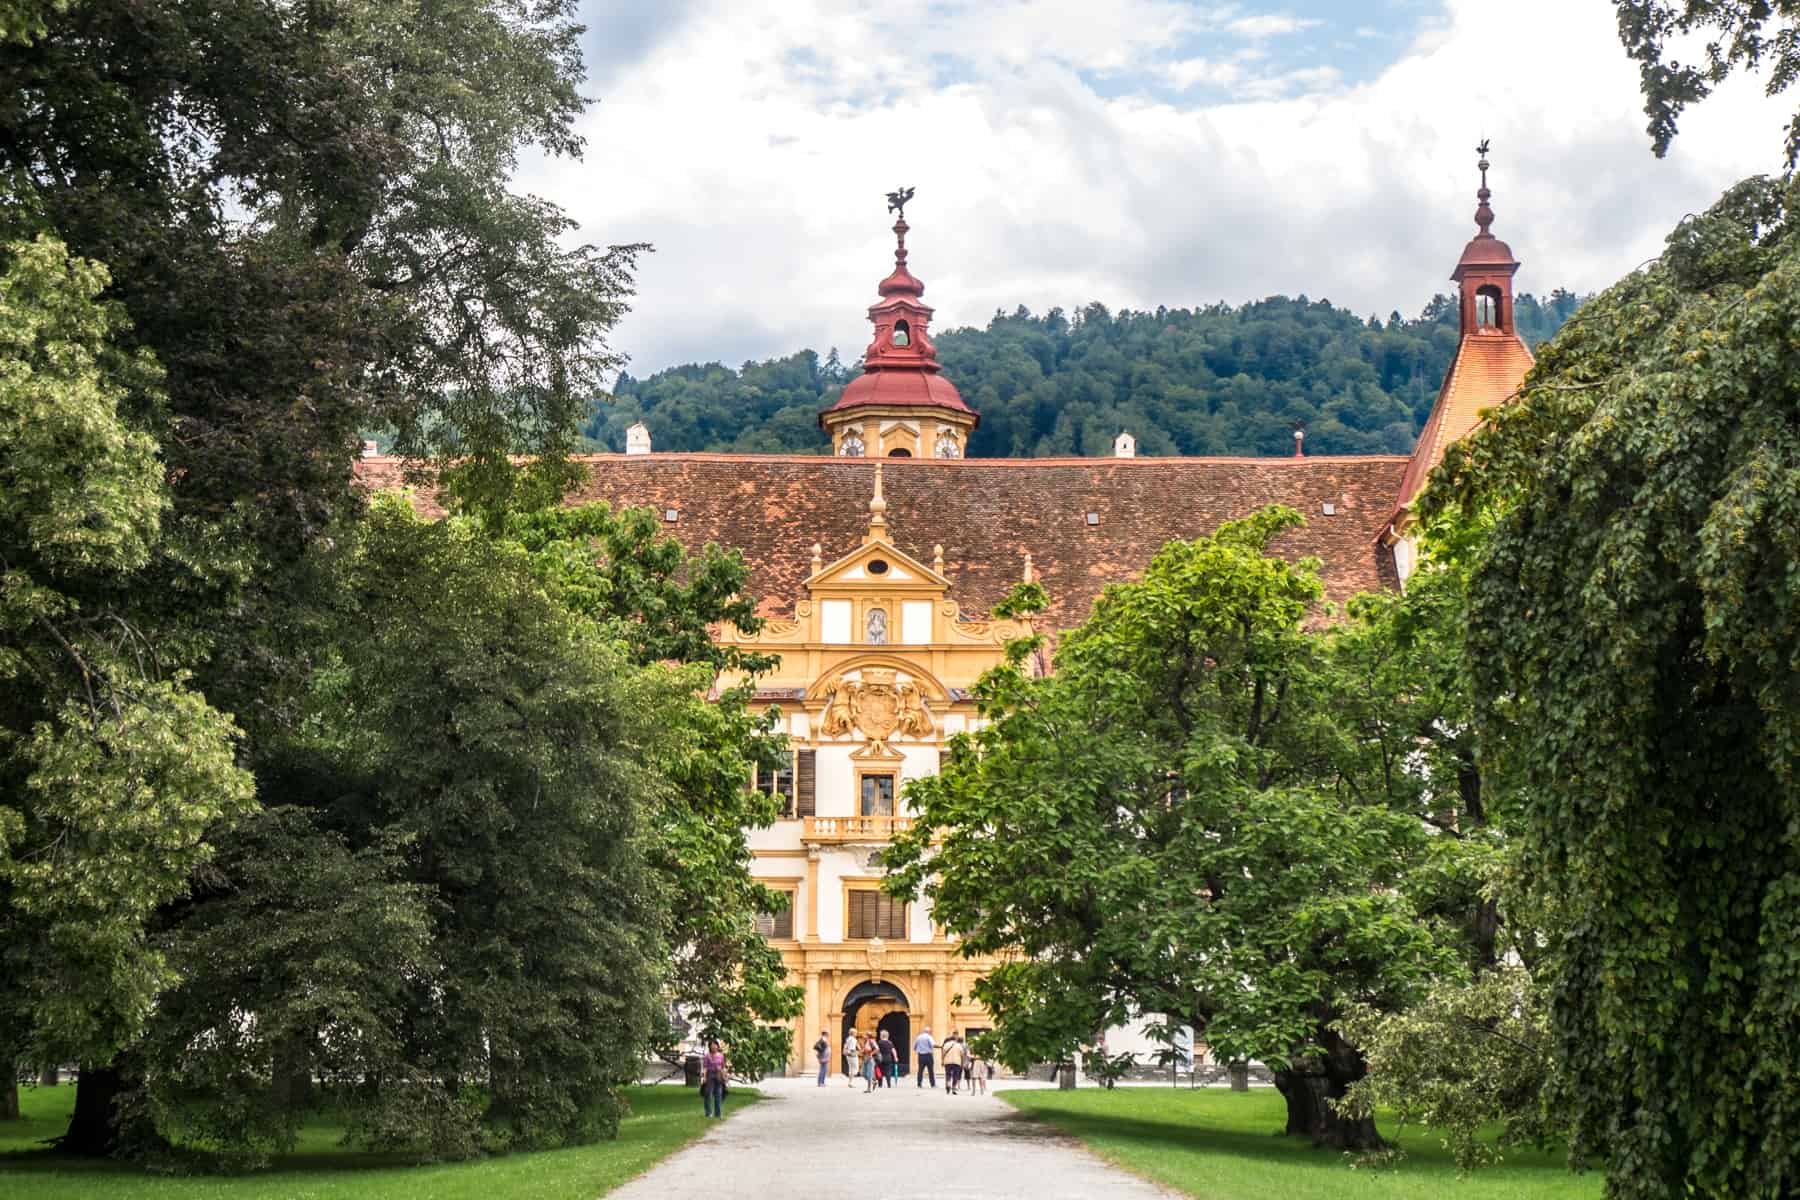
x,y
875,667
877,431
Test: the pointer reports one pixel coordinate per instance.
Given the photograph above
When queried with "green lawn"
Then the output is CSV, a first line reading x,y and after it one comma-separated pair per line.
x,y
1222,1145
663,1119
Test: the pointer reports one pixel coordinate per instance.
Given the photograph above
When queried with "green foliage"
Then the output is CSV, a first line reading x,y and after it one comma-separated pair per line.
x,y
658,600
306,212
1216,380
1738,36
1470,1057
1155,828
1633,640
112,768
447,910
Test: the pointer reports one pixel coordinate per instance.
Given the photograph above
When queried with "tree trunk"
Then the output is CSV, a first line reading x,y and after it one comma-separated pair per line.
x,y
94,1128
100,1126
1312,1084
49,1077
293,1082
9,1097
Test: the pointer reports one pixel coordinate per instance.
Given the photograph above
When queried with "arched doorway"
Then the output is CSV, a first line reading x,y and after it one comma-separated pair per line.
x,y
872,1007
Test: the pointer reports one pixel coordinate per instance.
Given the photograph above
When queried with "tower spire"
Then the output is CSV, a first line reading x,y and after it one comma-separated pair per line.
x,y
1484,215
901,406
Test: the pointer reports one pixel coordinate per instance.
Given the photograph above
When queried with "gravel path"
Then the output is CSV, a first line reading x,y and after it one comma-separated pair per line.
x,y
810,1143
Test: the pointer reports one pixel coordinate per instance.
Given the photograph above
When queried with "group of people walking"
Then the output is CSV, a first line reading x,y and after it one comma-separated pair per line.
x,y
876,1061
963,1067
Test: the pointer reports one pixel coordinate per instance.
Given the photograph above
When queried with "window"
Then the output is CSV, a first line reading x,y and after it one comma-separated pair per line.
x,y
902,335
780,783
876,914
878,795
899,452
1487,306
877,627
779,926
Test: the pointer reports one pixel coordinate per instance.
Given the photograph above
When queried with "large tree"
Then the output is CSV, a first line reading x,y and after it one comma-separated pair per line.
x,y
1635,634
113,769
662,601
447,908
1156,827
305,214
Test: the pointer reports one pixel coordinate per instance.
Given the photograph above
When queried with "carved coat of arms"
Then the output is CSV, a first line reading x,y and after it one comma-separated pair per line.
x,y
876,705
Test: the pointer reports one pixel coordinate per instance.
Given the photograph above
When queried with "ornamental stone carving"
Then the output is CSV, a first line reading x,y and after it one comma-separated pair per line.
x,y
875,706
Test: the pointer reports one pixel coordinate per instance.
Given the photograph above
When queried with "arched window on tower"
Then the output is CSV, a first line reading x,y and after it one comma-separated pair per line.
x,y
1487,307
899,452
902,334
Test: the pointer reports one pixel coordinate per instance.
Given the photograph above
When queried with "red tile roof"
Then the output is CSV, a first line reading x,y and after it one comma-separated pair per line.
x,y
1487,370
989,513
907,388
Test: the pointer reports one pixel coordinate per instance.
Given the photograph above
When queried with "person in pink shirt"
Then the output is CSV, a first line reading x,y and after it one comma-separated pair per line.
x,y
714,1071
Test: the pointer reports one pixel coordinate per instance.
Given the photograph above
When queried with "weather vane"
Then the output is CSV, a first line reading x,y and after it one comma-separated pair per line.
x,y
1483,148
897,201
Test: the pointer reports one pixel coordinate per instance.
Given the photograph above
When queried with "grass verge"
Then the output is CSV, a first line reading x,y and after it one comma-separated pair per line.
x,y
1217,1144
662,1120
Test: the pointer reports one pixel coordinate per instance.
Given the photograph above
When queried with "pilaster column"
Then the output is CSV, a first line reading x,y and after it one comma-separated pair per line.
x,y
811,901
940,1003
809,1026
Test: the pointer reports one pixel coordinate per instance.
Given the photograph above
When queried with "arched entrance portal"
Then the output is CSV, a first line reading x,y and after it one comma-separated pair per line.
x,y
872,1007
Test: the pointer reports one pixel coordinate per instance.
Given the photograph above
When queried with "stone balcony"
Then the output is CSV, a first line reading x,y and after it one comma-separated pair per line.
x,y
825,830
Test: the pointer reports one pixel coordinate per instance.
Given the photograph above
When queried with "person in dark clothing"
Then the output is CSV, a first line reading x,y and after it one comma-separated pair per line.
x,y
890,1060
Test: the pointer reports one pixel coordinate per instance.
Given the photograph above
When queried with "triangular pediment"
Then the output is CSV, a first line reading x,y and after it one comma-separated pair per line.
x,y
878,563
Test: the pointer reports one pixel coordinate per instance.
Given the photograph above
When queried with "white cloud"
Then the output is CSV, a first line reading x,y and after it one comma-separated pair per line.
x,y
1263,25
752,145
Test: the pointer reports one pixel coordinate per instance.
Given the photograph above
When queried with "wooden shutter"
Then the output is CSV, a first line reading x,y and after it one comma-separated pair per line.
x,y
806,802
877,914
777,925
892,919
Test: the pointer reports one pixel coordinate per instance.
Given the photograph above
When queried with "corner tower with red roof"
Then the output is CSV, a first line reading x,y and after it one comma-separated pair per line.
x,y
1491,362
901,406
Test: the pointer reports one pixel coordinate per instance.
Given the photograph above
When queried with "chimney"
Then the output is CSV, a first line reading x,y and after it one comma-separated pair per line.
x,y
637,439
371,448
1124,446
1299,440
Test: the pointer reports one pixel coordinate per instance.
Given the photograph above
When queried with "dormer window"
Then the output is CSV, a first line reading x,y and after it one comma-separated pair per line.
x,y
902,335
1487,307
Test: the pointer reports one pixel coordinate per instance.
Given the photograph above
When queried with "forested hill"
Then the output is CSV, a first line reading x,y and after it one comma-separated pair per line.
x,y
1216,380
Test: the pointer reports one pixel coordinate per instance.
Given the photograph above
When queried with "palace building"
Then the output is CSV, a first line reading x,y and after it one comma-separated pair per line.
x,y
876,570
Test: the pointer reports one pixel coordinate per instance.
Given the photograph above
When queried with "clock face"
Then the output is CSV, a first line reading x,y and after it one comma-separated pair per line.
x,y
851,447
946,447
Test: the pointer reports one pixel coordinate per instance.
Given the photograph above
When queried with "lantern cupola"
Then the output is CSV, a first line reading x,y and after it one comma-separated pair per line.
x,y
1491,362
901,406
1484,274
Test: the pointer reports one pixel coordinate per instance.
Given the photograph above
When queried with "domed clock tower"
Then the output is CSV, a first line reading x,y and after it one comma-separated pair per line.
x,y
901,406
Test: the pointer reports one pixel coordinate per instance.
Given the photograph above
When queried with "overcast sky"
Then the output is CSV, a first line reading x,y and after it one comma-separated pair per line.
x,y
1135,152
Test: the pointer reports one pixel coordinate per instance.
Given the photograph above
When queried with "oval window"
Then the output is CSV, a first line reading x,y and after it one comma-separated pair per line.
x,y
878,566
